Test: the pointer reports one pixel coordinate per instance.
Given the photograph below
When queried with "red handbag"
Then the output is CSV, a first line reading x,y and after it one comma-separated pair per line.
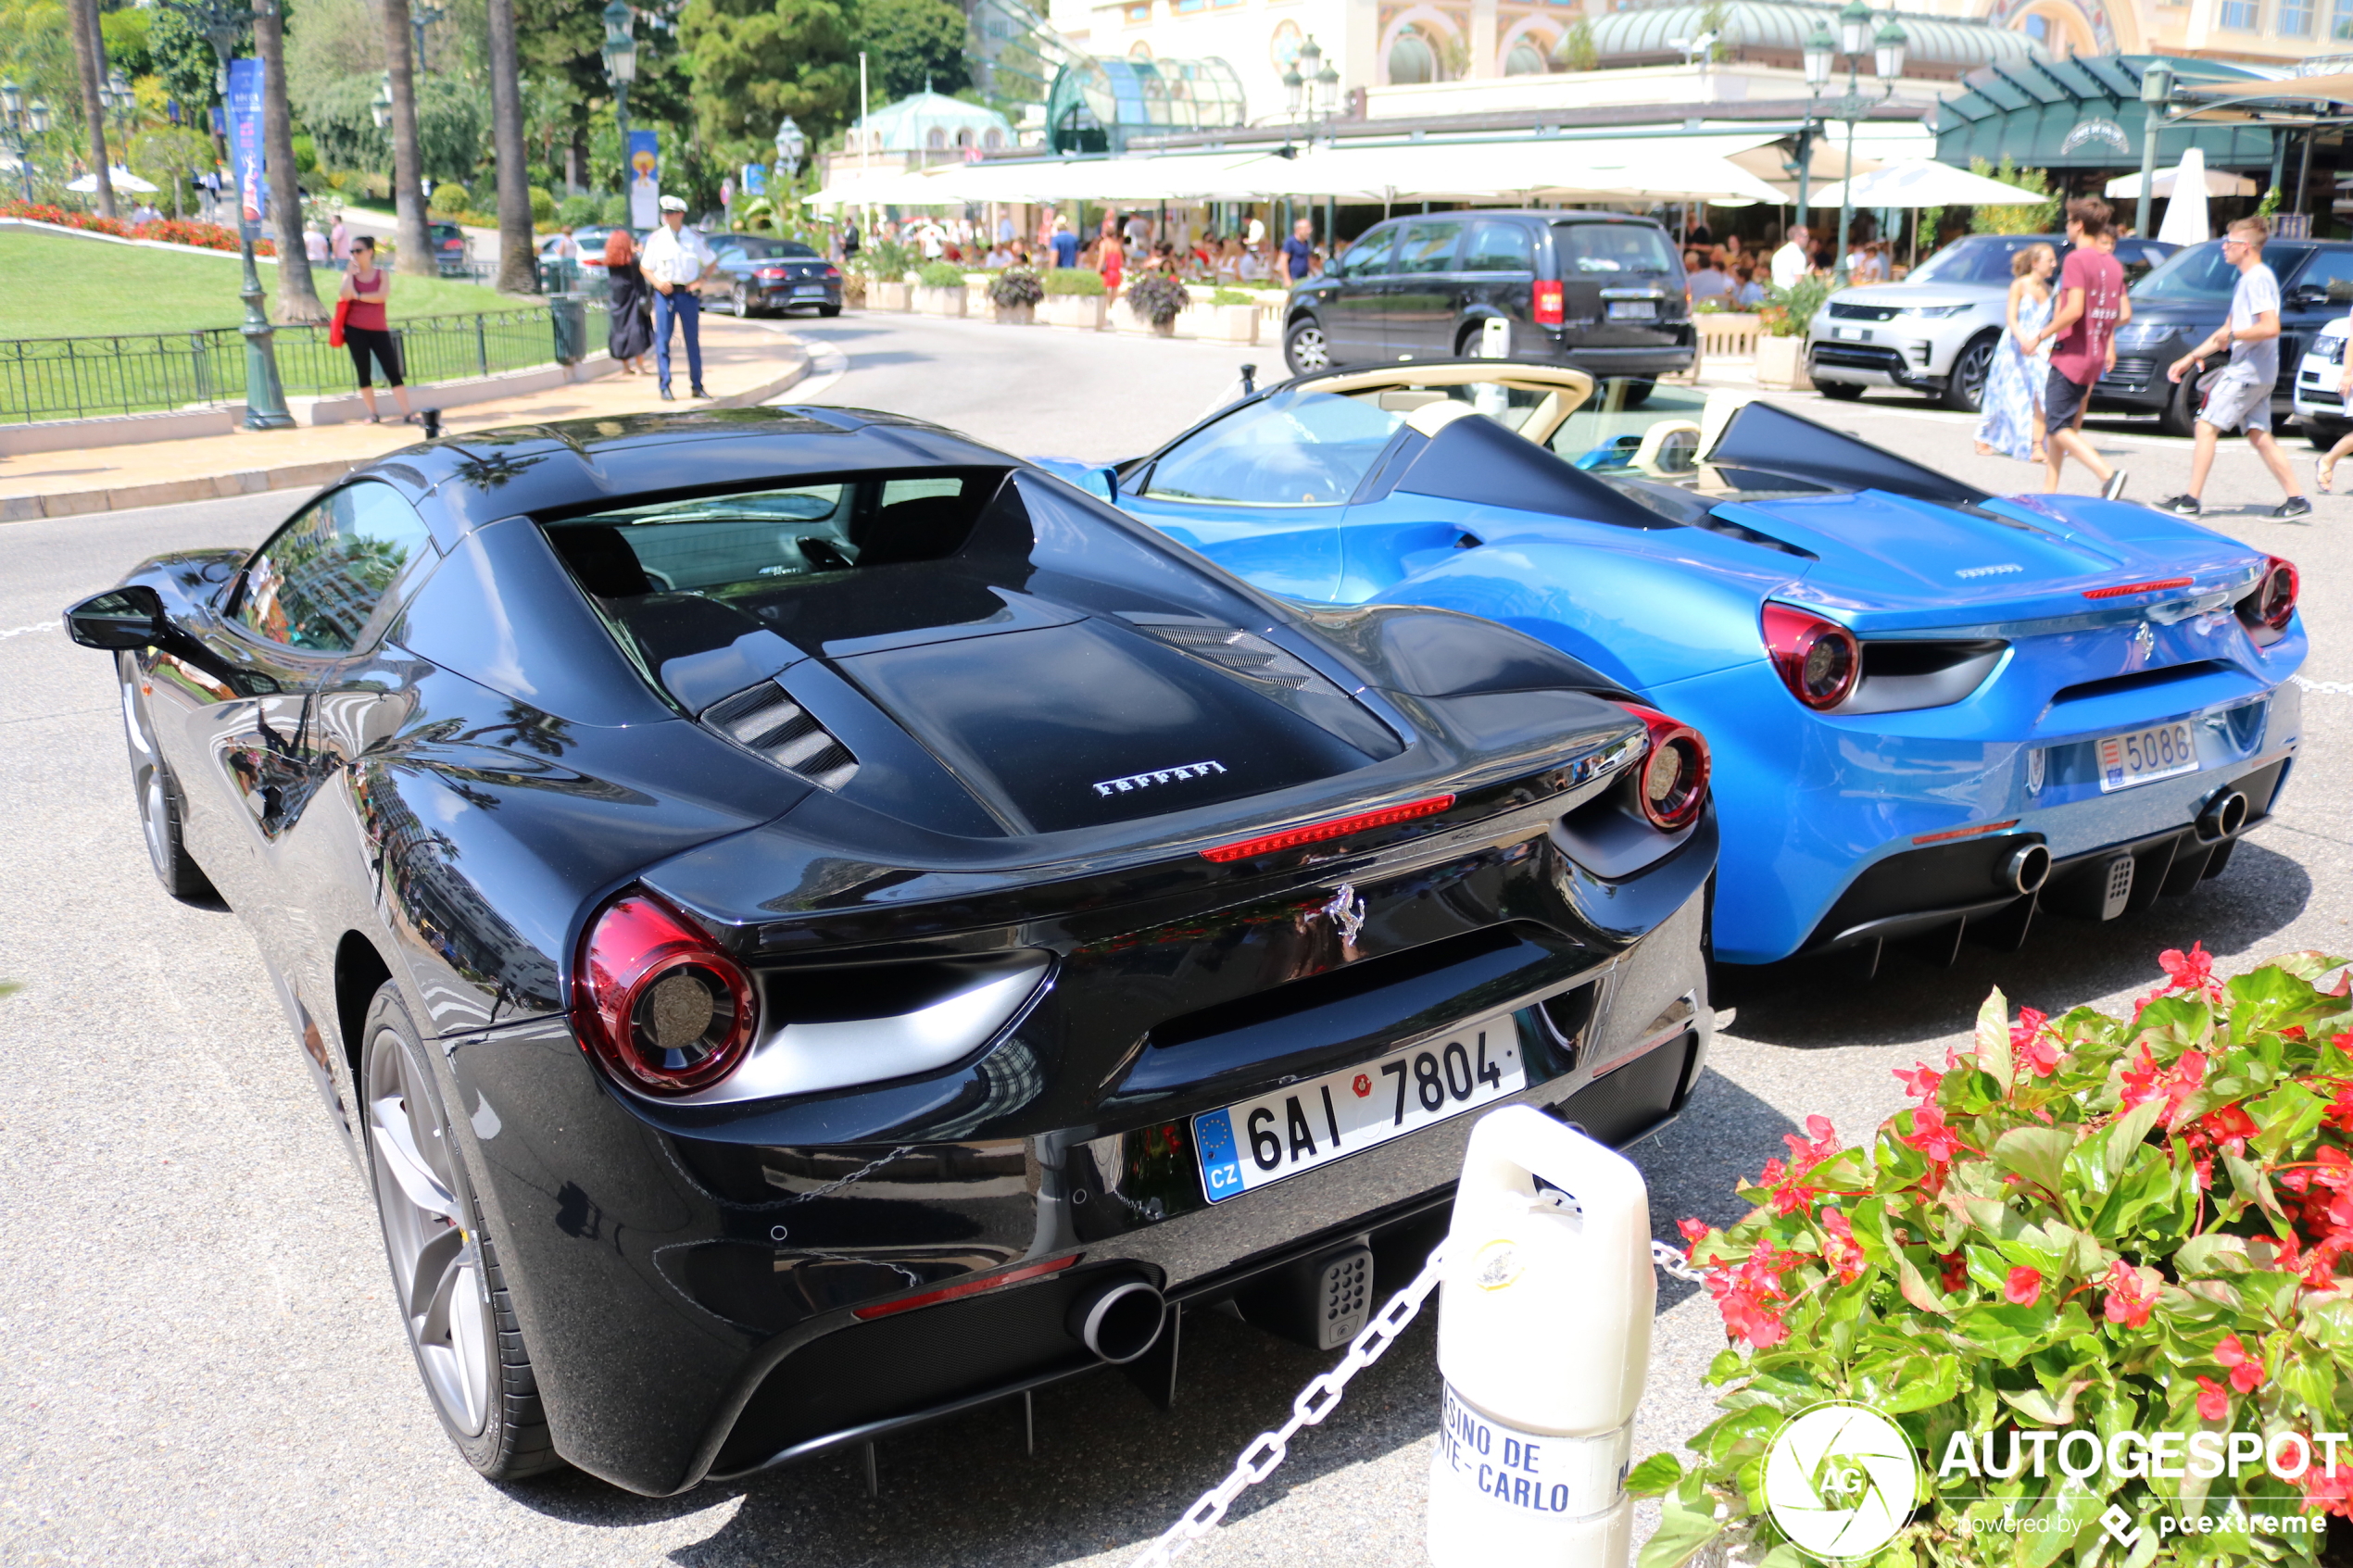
x,y
335,328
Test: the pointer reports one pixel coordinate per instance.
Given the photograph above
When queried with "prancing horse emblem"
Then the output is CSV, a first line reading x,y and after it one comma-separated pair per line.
x,y
1347,912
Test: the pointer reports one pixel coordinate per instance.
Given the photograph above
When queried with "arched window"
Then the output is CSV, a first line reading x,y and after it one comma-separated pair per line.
x,y
964,137
1525,59
936,139
1411,60
994,140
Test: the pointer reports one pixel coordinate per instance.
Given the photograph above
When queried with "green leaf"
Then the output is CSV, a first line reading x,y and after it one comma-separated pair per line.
x,y
2308,965
1993,1044
2126,1134
2310,1379
2209,1255
1656,1474
2037,1153
2006,1333
2250,1182
1682,1534
1915,1288
1938,1383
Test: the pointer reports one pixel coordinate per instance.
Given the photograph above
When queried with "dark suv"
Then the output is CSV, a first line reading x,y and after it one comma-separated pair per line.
x,y
2179,304
1602,290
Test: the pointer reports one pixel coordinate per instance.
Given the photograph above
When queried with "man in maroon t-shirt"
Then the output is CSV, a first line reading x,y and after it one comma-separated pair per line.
x,y
2091,305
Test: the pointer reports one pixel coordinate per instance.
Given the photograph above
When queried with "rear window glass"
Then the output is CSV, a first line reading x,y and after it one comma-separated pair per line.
x,y
1614,249
1977,260
1294,448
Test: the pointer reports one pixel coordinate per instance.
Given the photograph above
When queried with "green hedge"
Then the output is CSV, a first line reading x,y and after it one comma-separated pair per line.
x,y
940,275
1075,280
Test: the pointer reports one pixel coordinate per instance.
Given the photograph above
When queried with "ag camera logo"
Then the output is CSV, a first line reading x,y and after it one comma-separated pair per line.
x,y
1840,1481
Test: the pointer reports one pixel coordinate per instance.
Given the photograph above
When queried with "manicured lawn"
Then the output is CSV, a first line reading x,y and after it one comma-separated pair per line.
x,y
70,288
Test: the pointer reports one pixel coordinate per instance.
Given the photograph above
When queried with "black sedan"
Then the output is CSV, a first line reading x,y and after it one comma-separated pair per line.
x,y
757,273
452,252
811,923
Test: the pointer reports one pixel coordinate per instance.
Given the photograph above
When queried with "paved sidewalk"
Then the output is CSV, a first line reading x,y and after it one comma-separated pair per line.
x,y
744,363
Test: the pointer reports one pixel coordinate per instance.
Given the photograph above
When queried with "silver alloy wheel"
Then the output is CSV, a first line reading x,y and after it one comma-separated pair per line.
x,y
437,1267
154,803
1308,350
743,300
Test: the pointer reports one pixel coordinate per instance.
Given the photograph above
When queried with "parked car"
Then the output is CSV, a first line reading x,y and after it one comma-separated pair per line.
x,y
451,250
1934,333
2320,408
2176,306
1598,290
810,923
1931,709
760,272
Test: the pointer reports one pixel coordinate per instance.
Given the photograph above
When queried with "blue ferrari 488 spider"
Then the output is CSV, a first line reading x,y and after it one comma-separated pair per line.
x,y
1933,710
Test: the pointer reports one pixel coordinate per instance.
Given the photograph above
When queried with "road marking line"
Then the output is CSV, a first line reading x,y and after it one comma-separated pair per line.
x,y
20,630
2326,688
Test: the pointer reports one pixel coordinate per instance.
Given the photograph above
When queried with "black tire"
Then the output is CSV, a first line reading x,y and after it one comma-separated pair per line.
x,y
2178,415
1637,392
1965,387
2325,434
829,310
1839,390
739,300
468,1345
1305,349
158,793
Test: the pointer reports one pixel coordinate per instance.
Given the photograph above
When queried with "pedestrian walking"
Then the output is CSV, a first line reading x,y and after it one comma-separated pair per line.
x,y
2083,332
366,332
629,332
849,243
1065,244
314,247
2240,398
676,259
1298,258
2012,424
339,244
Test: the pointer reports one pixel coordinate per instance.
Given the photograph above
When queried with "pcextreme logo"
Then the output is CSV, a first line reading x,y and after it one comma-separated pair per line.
x,y
1840,1481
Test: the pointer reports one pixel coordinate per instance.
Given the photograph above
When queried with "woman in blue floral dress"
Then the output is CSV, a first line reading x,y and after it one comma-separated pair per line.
x,y
2013,423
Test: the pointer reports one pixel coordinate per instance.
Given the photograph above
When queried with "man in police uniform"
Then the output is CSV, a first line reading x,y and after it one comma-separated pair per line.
x,y
675,259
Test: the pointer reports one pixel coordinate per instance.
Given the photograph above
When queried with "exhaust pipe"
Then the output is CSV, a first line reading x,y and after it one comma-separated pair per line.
x,y
1118,1320
2223,816
2027,869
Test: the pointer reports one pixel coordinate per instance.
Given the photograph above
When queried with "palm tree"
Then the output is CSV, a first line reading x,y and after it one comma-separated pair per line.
x,y
90,58
297,298
413,244
517,270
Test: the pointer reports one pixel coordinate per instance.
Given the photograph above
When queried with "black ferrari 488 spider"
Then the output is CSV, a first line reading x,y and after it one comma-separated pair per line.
x,y
810,923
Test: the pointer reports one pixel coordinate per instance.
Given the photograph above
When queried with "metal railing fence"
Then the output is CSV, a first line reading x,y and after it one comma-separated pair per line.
x,y
73,378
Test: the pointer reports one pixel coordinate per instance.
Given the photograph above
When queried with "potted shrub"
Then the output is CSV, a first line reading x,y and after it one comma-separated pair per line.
x,y
1782,319
1016,295
1153,300
2088,1226
1074,298
939,288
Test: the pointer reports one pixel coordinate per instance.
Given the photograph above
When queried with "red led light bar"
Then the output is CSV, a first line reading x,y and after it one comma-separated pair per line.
x,y
1337,827
961,1288
1964,833
2121,589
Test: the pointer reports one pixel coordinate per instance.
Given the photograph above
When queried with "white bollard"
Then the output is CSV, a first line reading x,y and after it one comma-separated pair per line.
x,y
1544,1341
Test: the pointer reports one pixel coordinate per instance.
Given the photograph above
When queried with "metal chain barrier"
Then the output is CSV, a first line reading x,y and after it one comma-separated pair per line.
x,y
1321,1396
2326,688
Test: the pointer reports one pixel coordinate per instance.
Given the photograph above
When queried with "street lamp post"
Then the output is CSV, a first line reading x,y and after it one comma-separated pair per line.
x,y
421,15
2156,90
1855,39
620,69
223,23
19,121
1819,48
791,147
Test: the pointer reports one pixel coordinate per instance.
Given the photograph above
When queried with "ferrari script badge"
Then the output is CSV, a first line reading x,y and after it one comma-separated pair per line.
x,y
1347,912
1158,776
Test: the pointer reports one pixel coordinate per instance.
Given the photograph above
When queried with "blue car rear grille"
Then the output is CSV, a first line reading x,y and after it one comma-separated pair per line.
x,y
1847,312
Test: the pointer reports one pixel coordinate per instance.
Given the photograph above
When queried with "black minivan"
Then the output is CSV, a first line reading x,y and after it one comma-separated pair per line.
x,y
1599,290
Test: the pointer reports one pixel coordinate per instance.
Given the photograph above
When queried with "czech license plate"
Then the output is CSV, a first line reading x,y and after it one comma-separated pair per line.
x,y
2142,757
1304,1126
799,289
1850,334
1633,311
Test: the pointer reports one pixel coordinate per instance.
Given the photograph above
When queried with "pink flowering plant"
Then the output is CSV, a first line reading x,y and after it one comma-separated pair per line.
x,y
2085,1224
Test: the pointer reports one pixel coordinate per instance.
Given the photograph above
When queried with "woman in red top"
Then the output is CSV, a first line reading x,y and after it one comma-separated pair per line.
x,y
365,330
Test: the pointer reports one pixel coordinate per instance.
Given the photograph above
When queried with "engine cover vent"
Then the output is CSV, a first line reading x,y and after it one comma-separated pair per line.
x,y
766,720
1251,658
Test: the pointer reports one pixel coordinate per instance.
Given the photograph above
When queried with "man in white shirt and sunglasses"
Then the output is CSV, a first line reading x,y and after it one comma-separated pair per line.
x,y
675,259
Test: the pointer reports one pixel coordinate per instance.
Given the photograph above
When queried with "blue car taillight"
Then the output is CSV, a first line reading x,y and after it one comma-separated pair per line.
x,y
1672,782
1819,661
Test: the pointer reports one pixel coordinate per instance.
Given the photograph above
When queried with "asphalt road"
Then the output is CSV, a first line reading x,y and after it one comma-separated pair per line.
x,y
205,1365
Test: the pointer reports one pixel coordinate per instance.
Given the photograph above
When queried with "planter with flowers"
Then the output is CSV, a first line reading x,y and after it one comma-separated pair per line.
x,y
1016,295
2088,1226
1153,300
1226,316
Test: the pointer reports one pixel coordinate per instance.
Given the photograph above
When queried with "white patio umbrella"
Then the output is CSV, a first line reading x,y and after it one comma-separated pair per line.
x,y
1922,182
2186,221
2218,182
119,177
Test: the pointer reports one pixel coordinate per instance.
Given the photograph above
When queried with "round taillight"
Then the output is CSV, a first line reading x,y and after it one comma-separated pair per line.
x,y
2274,602
663,1007
1671,784
1819,661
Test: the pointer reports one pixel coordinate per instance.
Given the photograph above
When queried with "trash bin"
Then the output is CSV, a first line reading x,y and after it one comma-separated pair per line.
x,y
569,315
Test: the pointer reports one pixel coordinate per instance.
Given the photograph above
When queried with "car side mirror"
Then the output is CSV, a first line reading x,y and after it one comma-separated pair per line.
x,y
1102,483
121,619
